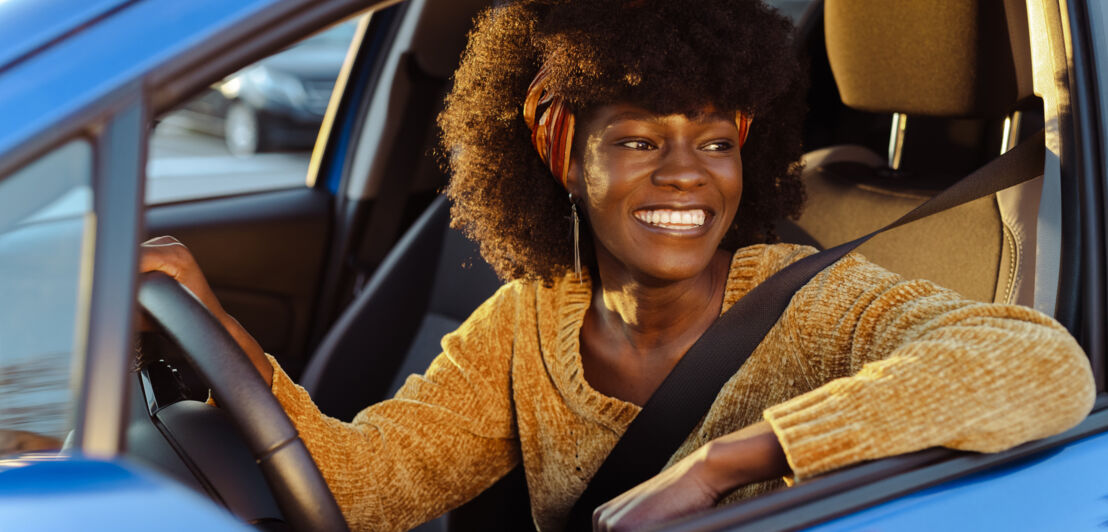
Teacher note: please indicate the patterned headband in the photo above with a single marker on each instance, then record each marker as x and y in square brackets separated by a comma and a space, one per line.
[552, 134]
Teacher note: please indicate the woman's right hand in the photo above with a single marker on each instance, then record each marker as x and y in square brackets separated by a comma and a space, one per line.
[169, 256]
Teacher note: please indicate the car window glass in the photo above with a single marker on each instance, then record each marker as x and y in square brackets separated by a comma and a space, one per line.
[46, 227]
[251, 131]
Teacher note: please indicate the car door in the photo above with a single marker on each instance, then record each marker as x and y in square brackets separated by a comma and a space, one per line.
[247, 172]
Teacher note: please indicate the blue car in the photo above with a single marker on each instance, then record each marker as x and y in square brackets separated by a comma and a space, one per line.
[106, 428]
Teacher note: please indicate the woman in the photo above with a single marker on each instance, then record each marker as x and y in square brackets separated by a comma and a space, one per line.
[640, 110]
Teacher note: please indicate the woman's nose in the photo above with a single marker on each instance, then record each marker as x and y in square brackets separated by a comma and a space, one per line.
[679, 167]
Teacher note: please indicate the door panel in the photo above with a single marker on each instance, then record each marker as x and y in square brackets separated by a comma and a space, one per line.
[263, 255]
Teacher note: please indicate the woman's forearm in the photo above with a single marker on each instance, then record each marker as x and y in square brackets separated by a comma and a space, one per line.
[249, 345]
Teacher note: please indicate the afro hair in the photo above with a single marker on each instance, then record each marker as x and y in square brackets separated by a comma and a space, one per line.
[663, 55]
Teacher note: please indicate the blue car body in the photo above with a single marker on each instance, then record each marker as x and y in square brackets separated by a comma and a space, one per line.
[75, 493]
[56, 68]
[1062, 488]
[67, 63]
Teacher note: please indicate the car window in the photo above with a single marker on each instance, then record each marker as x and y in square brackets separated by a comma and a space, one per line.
[46, 228]
[251, 131]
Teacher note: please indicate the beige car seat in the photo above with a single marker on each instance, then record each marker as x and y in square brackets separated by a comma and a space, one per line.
[956, 101]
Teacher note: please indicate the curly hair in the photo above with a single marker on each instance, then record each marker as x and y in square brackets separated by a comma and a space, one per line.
[663, 55]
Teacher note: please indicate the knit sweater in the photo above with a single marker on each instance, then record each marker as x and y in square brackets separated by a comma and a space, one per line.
[861, 365]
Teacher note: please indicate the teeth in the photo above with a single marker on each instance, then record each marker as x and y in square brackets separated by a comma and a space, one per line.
[677, 219]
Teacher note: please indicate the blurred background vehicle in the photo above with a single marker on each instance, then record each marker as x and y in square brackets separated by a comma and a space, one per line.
[275, 104]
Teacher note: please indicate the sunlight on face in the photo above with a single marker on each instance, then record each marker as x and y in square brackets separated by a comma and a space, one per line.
[660, 191]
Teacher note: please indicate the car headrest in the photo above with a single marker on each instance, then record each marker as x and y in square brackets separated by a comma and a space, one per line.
[944, 58]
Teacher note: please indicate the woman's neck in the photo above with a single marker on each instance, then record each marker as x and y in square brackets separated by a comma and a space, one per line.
[649, 312]
[635, 330]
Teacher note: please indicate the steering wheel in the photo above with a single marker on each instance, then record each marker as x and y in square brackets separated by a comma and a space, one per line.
[292, 475]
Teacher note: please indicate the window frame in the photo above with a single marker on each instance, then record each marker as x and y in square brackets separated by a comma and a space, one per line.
[118, 177]
[117, 127]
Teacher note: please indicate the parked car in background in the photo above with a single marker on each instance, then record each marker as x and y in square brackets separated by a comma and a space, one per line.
[94, 437]
[276, 103]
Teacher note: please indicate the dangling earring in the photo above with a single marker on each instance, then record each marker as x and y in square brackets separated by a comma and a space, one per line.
[576, 237]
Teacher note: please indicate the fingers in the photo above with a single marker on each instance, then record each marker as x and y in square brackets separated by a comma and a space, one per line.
[675, 492]
[609, 517]
[165, 254]
[164, 239]
[169, 256]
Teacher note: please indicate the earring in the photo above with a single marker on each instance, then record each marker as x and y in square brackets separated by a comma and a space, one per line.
[576, 237]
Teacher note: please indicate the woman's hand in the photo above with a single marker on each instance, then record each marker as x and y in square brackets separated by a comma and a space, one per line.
[681, 489]
[697, 481]
[168, 255]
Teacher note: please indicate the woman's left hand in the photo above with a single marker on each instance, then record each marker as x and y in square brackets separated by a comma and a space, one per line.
[697, 481]
[679, 490]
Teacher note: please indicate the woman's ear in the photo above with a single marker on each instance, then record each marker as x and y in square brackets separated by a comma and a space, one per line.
[575, 178]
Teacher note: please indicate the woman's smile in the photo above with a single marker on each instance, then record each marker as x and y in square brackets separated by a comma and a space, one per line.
[660, 191]
[679, 221]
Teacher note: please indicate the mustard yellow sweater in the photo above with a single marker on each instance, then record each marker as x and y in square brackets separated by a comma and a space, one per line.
[862, 365]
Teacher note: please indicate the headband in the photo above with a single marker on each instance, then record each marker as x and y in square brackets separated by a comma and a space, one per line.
[552, 133]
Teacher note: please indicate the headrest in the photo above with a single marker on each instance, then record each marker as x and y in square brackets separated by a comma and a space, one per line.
[946, 58]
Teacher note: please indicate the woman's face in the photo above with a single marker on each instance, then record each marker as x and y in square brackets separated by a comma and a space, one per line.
[659, 192]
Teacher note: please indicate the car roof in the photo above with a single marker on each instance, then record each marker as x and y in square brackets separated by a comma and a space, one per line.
[63, 71]
[28, 25]
[64, 62]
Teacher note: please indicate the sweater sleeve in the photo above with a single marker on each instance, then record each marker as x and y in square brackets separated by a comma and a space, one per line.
[446, 436]
[912, 365]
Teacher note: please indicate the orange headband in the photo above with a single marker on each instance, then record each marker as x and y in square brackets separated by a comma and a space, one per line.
[552, 134]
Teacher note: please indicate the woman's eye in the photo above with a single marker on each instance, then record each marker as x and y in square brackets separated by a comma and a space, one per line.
[719, 145]
[636, 144]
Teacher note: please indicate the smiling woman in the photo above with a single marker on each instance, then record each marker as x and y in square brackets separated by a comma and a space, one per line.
[626, 122]
[727, 56]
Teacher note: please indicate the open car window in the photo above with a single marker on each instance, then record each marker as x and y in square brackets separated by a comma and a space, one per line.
[253, 130]
[46, 228]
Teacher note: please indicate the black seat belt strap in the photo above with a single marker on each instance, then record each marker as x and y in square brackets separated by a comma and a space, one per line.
[689, 390]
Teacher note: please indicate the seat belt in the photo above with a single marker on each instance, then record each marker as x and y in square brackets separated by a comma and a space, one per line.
[689, 390]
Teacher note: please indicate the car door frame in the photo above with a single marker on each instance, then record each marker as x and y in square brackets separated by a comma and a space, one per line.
[113, 114]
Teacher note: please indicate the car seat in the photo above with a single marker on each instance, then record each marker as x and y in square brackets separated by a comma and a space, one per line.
[956, 77]
[425, 288]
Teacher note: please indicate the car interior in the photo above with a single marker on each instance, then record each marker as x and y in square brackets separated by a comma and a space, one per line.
[352, 281]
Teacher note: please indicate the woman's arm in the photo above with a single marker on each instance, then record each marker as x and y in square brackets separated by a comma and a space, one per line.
[445, 437]
[169, 256]
[910, 365]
